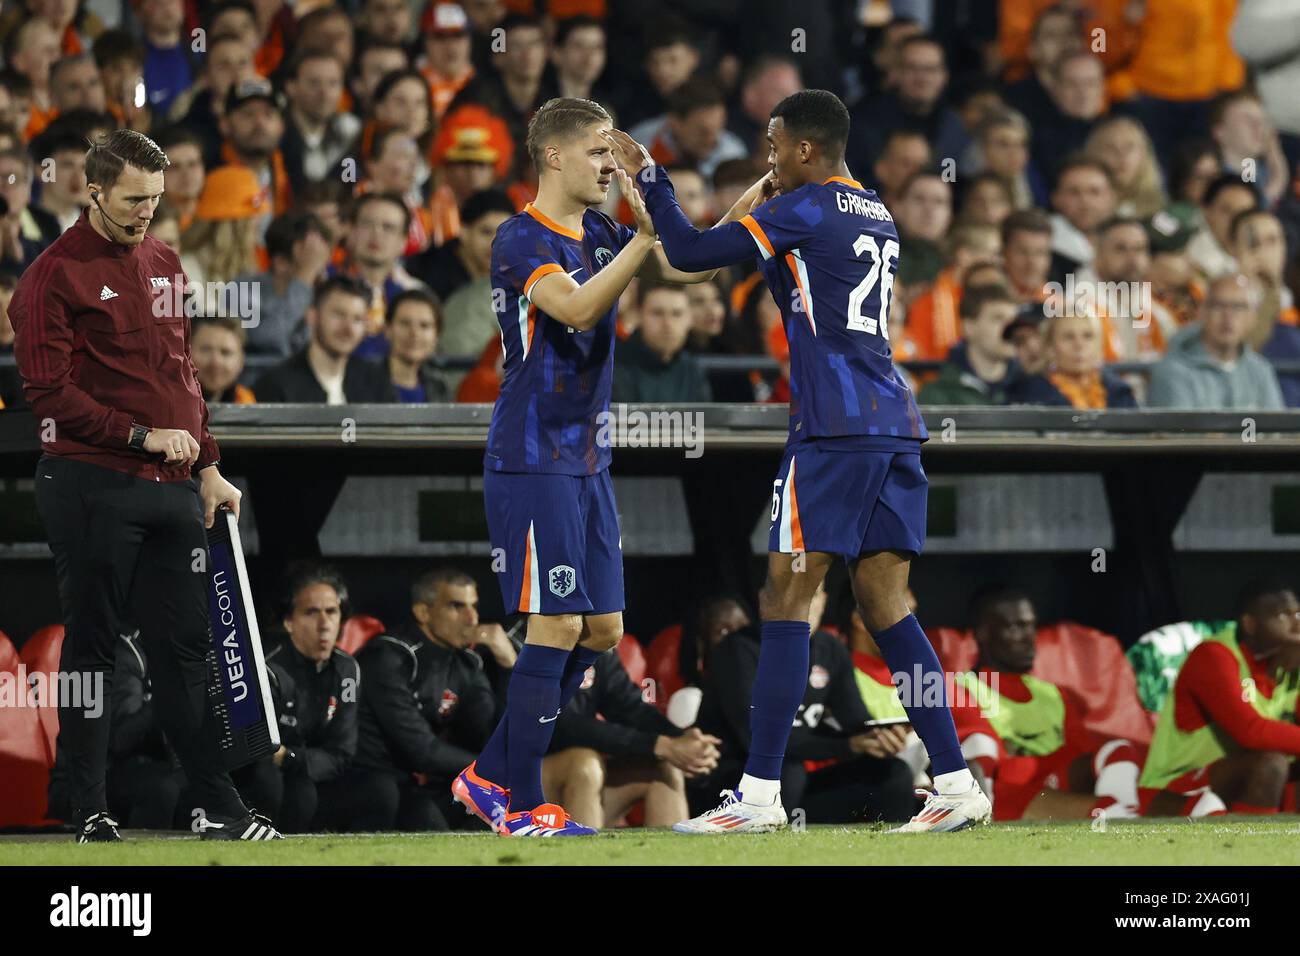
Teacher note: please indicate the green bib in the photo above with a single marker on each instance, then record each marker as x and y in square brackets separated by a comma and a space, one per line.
[1175, 752]
[1035, 727]
[881, 699]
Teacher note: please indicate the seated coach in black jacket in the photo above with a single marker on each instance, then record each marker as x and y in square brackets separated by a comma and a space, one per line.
[612, 749]
[427, 708]
[315, 687]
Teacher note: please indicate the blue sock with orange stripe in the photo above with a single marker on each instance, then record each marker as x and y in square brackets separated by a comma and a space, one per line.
[531, 710]
[778, 692]
[907, 650]
[491, 764]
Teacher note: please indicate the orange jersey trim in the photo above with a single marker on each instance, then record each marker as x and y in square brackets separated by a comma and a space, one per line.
[545, 269]
[757, 232]
[551, 224]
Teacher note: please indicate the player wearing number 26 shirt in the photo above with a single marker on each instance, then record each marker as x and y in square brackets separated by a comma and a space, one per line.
[850, 483]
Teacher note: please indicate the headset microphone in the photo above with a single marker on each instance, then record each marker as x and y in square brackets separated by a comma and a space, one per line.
[129, 230]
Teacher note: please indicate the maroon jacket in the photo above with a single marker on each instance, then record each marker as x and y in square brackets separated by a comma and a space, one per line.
[96, 354]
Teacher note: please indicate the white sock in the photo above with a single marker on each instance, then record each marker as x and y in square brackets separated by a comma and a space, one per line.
[759, 792]
[958, 781]
[1119, 779]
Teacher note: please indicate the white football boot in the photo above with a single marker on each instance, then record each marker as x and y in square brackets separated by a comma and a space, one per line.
[947, 813]
[735, 816]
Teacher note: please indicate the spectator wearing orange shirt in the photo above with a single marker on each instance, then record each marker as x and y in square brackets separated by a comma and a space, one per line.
[1027, 253]
[32, 50]
[1074, 376]
[932, 320]
[448, 65]
[1176, 57]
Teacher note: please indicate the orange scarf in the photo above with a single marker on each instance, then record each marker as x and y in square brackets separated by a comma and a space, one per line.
[1088, 394]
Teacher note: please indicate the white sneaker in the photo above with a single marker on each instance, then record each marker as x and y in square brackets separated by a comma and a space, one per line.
[735, 816]
[947, 813]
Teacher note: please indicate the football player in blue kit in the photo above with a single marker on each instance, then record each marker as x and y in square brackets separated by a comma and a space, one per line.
[558, 269]
[850, 483]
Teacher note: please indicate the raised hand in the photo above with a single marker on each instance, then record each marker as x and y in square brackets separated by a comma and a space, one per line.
[645, 226]
[628, 153]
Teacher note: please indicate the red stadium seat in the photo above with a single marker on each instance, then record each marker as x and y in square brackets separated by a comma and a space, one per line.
[1085, 660]
[26, 751]
[8, 654]
[1093, 665]
[633, 658]
[956, 648]
[41, 653]
[358, 631]
[24, 767]
[661, 664]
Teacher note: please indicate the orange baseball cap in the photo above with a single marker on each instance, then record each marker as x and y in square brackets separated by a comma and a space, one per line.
[231, 192]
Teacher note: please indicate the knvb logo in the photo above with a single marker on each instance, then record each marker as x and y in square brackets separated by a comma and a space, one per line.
[77, 909]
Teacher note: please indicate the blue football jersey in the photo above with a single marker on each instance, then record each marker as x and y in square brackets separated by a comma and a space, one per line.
[829, 252]
[556, 380]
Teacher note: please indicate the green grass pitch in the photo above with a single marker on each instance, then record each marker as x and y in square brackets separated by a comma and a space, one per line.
[1223, 841]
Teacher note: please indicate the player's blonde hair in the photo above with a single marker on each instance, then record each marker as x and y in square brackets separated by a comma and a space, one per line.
[558, 119]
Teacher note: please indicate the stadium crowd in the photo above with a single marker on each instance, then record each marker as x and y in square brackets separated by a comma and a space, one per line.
[1117, 179]
[1099, 206]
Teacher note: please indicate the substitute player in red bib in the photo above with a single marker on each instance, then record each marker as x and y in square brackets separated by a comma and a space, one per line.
[558, 269]
[851, 482]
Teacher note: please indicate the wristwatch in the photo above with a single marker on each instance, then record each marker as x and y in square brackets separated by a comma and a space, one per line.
[138, 435]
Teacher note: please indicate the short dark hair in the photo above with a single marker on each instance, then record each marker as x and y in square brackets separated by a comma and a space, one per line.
[1227, 181]
[393, 199]
[646, 288]
[177, 135]
[697, 93]
[569, 26]
[106, 159]
[424, 589]
[988, 595]
[1080, 161]
[1116, 222]
[114, 46]
[228, 323]
[973, 300]
[304, 574]
[347, 285]
[311, 53]
[1225, 101]
[226, 6]
[513, 21]
[819, 116]
[1025, 220]
[479, 204]
[668, 30]
[1250, 594]
[16, 83]
[423, 297]
[561, 118]
[288, 229]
